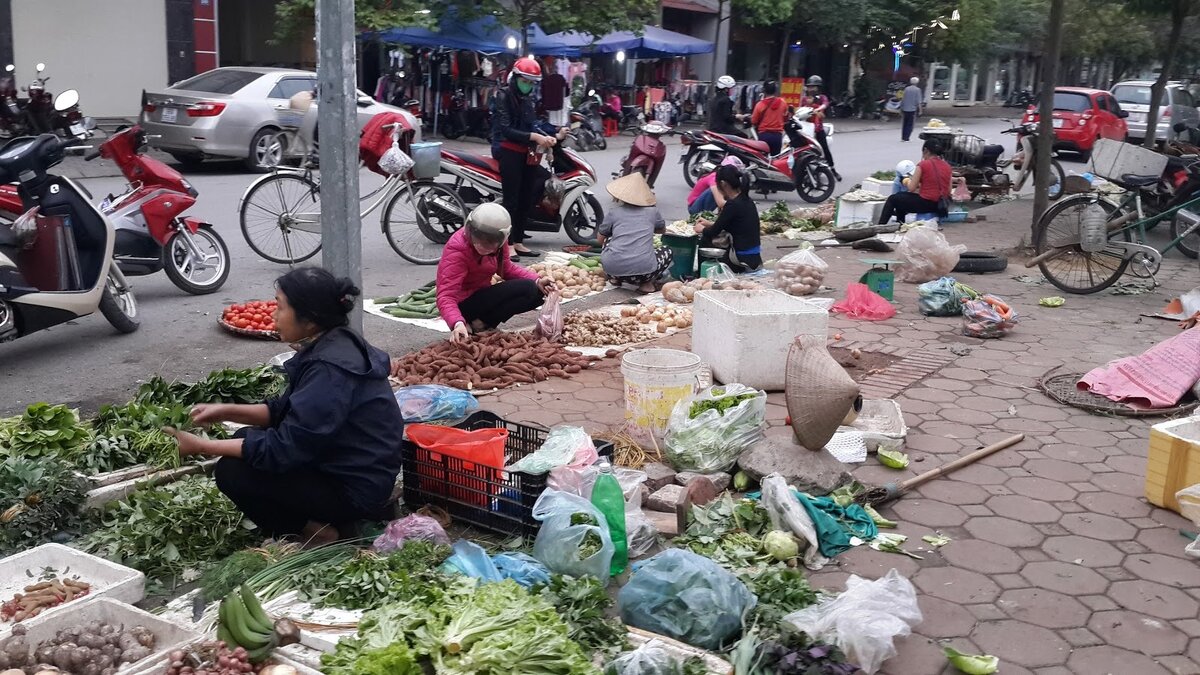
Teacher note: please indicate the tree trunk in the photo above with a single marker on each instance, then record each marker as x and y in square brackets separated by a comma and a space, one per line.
[783, 54]
[1045, 139]
[1179, 12]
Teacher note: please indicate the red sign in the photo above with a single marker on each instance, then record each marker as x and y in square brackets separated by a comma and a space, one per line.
[791, 89]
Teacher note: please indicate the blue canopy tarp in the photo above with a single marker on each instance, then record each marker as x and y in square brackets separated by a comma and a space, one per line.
[485, 34]
[654, 42]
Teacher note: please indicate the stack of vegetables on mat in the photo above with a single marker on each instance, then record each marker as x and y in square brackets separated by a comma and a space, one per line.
[663, 317]
[418, 304]
[490, 361]
[577, 278]
[599, 329]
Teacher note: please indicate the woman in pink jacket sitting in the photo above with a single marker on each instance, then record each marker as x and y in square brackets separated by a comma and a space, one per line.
[466, 297]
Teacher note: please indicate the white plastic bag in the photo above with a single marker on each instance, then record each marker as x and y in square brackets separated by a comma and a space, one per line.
[787, 515]
[640, 533]
[800, 273]
[712, 440]
[1189, 503]
[649, 659]
[926, 255]
[564, 446]
[864, 619]
[395, 161]
[559, 540]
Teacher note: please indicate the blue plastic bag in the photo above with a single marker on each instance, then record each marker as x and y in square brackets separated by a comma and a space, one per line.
[426, 402]
[471, 560]
[521, 568]
[687, 597]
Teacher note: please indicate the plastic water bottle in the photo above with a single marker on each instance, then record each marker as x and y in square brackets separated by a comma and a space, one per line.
[608, 498]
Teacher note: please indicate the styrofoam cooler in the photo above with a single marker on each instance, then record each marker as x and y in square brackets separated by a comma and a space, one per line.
[849, 213]
[744, 336]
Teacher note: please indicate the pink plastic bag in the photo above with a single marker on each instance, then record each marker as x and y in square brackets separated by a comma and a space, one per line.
[409, 528]
[863, 303]
[550, 322]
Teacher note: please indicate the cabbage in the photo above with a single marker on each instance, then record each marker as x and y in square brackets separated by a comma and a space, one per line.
[781, 545]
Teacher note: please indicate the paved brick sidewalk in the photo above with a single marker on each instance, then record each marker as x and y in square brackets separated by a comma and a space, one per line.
[1058, 564]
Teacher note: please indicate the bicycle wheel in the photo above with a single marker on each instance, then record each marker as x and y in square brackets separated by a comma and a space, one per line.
[1075, 270]
[1189, 245]
[417, 227]
[281, 218]
[1058, 180]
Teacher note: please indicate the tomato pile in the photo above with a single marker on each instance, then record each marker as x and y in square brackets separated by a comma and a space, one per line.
[253, 315]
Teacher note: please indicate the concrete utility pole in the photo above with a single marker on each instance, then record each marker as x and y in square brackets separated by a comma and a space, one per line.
[337, 115]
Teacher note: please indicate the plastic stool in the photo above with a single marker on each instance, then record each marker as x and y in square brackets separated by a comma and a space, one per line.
[913, 217]
[611, 127]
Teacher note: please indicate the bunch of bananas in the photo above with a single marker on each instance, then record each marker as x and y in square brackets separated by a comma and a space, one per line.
[244, 623]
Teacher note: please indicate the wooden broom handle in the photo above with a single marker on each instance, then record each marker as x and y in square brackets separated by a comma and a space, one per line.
[961, 462]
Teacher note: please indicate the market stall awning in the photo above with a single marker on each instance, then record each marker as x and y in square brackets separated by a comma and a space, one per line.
[484, 34]
[542, 43]
[653, 42]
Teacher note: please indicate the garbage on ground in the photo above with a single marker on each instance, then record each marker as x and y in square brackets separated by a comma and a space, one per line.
[865, 619]
[787, 514]
[1157, 378]
[926, 255]
[972, 664]
[708, 431]
[1052, 301]
[414, 526]
[863, 303]
[890, 542]
[988, 317]
[943, 297]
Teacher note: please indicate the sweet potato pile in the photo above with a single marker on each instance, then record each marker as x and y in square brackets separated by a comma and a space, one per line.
[489, 361]
[41, 596]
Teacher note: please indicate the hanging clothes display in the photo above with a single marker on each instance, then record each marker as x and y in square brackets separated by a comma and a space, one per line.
[554, 94]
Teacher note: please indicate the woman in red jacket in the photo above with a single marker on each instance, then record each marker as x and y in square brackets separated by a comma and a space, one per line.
[466, 297]
[768, 116]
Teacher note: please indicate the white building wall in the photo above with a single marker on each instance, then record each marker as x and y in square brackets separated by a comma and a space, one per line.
[110, 51]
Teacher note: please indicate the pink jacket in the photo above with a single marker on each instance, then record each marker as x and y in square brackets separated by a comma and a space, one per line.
[462, 272]
[706, 181]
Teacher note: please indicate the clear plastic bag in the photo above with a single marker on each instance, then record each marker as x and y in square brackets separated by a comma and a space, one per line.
[412, 527]
[564, 446]
[550, 321]
[926, 255]
[649, 659]
[427, 402]
[640, 533]
[988, 317]
[943, 297]
[800, 273]
[720, 273]
[521, 568]
[571, 527]
[686, 597]
[395, 161]
[864, 619]
[471, 560]
[788, 515]
[712, 440]
[863, 303]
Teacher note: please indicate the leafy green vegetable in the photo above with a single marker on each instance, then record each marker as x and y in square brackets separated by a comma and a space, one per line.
[367, 580]
[46, 431]
[972, 664]
[38, 498]
[394, 659]
[729, 532]
[229, 385]
[890, 542]
[721, 405]
[591, 543]
[780, 591]
[705, 215]
[132, 434]
[791, 654]
[884, 175]
[582, 603]
[171, 531]
[229, 574]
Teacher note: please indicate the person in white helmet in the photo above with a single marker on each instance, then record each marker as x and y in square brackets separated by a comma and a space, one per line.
[910, 107]
[721, 117]
[466, 297]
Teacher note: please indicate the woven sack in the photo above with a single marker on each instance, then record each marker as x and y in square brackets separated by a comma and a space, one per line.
[818, 392]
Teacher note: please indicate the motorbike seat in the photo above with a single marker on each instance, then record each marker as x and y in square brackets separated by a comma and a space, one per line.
[478, 161]
[1136, 181]
[759, 146]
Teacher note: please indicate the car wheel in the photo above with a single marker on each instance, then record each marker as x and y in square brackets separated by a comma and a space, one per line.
[267, 150]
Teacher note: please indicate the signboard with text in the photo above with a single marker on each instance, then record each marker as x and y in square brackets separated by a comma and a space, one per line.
[791, 89]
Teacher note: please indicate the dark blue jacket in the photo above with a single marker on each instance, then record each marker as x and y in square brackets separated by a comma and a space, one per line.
[338, 416]
[514, 117]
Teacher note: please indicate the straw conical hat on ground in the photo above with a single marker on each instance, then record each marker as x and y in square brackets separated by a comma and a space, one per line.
[632, 189]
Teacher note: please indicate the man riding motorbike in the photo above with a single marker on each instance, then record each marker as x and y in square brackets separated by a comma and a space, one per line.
[516, 132]
[721, 117]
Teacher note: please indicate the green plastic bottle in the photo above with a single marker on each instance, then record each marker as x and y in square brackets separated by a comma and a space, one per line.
[609, 500]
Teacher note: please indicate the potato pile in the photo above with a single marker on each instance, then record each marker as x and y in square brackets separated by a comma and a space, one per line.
[664, 318]
[94, 648]
[598, 329]
[490, 361]
[680, 292]
[800, 273]
[572, 282]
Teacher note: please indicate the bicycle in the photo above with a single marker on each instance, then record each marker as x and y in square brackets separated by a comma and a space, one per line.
[282, 210]
[1084, 243]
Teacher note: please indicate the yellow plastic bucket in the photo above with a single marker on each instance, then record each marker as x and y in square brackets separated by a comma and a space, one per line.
[656, 379]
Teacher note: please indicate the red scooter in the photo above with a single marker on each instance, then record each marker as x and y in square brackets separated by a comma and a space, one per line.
[151, 235]
[647, 153]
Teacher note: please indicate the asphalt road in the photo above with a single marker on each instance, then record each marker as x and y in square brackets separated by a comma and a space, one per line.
[87, 364]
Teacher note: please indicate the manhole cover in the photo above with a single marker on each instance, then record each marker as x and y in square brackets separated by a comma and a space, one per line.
[1062, 388]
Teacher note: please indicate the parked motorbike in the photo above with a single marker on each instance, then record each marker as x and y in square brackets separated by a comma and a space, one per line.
[1020, 98]
[586, 126]
[12, 122]
[800, 167]
[632, 117]
[888, 105]
[647, 153]
[841, 107]
[56, 259]
[564, 200]
[984, 168]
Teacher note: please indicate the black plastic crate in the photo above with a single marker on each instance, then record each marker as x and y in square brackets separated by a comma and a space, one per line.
[482, 496]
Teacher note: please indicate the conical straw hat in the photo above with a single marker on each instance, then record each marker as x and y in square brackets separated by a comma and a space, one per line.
[632, 189]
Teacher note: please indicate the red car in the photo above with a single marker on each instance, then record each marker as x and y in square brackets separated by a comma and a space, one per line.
[1083, 116]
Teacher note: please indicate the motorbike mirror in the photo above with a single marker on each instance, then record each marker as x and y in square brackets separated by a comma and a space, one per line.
[9, 68]
[41, 67]
[66, 100]
[591, 92]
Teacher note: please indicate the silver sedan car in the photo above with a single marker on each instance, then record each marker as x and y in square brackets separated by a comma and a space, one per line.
[235, 113]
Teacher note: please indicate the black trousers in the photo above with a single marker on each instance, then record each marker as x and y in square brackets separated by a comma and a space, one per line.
[910, 117]
[900, 204]
[821, 140]
[773, 139]
[500, 302]
[517, 178]
[283, 503]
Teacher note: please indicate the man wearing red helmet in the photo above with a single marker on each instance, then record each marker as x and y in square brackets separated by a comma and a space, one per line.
[515, 131]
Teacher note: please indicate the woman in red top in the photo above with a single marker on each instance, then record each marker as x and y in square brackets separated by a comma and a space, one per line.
[767, 118]
[929, 184]
[466, 297]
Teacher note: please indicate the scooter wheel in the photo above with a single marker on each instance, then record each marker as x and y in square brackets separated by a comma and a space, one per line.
[119, 307]
[206, 278]
[601, 143]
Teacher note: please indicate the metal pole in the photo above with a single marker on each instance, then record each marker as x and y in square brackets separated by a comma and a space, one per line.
[337, 113]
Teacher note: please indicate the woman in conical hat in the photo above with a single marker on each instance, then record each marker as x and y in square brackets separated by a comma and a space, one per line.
[627, 235]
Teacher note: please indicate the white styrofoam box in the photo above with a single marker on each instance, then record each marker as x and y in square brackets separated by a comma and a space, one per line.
[744, 336]
[1113, 159]
[879, 187]
[107, 579]
[848, 213]
[881, 423]
[167, 635]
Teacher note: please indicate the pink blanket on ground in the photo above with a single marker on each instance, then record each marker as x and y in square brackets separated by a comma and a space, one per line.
[1157, 378]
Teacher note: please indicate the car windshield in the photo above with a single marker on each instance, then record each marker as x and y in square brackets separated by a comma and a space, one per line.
[218, 81]
[1132, 94]
[1071, 102]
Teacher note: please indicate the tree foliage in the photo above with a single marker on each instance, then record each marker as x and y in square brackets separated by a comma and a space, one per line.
[296, 18]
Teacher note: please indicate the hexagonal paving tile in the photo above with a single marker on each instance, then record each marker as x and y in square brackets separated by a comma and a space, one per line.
[868, 563]
[1099, 526]
[1021, 643]
[930, 513]
[1023, 509]
[1041, 488]
[1154, 599]
[1004, 531]
[1083, 551]
[943, 619]
[1057, 470]
[1138, 632]
[1044, 608]
[1077, 454]
[982, 556]
[1120, 483]
[1163, 569]
[953, 492]
[1108, 659]
[1064, 578]
[957, 585]
[1118, 506]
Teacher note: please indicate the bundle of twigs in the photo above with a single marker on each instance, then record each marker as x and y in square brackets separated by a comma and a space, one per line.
[627, 452]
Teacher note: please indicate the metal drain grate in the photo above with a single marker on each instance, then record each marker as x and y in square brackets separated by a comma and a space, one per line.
[909, 370]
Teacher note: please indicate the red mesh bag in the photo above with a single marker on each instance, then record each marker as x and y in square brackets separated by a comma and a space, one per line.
[376, 139]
